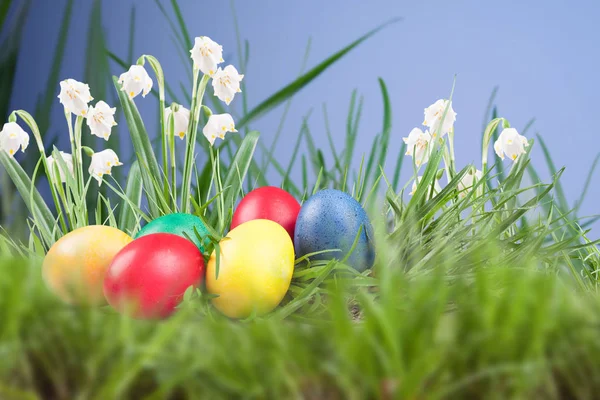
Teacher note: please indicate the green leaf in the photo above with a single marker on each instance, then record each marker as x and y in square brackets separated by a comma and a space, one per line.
[237, 173]
[133, 191]
[33, 200]
[562, 200]
[151, 175]
[384, 139]
[588, 180]
[42, 110]
[289, 90]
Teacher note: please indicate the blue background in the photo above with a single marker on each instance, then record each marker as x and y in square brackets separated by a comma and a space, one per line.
[542, 55]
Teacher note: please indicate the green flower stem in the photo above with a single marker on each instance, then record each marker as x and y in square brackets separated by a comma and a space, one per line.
[447, 161]
[79, 177]
[160, 78]
[197, 95]
[487, 138]
[452, 158]
[171, 136]
[28, 119]
[73, 146]
[63, 198]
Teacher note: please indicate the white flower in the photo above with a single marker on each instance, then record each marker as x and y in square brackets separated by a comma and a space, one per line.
[466, 183]
[102, 163]
[135, 81]
[68, 159]
[433, 118]
[101, 119]
[12, 136]
[436, 188]
[419, 146]
[181, 120]
[75, 96]
[226, 83]
[217, 126]
[206, 54]
[510, 143]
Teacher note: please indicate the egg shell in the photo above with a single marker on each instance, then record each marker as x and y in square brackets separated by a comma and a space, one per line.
[147, 279]
[270, 203]
[179, 224]
[75, 265]
[255, 269]
[331, 219]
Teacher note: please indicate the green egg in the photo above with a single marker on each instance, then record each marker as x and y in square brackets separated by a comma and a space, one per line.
[181, 225]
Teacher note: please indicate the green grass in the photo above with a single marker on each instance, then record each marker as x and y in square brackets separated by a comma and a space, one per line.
[500, 331]
[488, 295]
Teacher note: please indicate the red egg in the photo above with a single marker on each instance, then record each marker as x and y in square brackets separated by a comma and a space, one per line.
[270, 203]
[148, 277]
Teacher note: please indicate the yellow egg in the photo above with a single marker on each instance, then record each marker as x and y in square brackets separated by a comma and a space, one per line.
[255, 270]
[74, 267]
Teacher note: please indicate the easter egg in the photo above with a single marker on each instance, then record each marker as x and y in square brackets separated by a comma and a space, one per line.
[256, 264]
[270, 203]
[75, 265]
[178, 224]
[331, 219]
[148, 277]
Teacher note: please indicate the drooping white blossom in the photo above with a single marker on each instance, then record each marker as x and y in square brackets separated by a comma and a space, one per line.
[217, 126]
[102, 164]
[226, 83]
[436, 188]
[468, 181]
[510, 143]
[181, 121]
[136, 81]
[418, 146]
[75, 96]
[68, 160]
[101, 119]
[433, 118]
[13, 137]
[207, 54]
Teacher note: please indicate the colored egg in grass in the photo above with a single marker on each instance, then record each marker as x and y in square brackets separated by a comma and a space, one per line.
[179, 224]
[331, 219]
[270, 203]
[75, 266]
[147, 279]
[256, 264]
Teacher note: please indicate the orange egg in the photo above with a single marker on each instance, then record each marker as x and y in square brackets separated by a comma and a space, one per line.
[74, 267]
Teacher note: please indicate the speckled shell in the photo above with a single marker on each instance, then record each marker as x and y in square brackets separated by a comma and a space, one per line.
[331, 219]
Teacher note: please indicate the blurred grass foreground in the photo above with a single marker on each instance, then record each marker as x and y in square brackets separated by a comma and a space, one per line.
[501, 332]
[480, 290]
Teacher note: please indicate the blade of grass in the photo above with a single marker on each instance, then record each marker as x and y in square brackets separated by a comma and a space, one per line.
[145, 154]
[289, 90]
[133, 191]
[237, 173]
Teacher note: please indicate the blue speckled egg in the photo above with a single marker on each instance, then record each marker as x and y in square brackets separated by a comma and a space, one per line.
[331, 219]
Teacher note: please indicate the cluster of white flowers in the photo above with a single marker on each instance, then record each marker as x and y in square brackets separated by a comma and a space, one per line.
[100, 118]
[207, 55]
[75, 98]
[420, 144]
